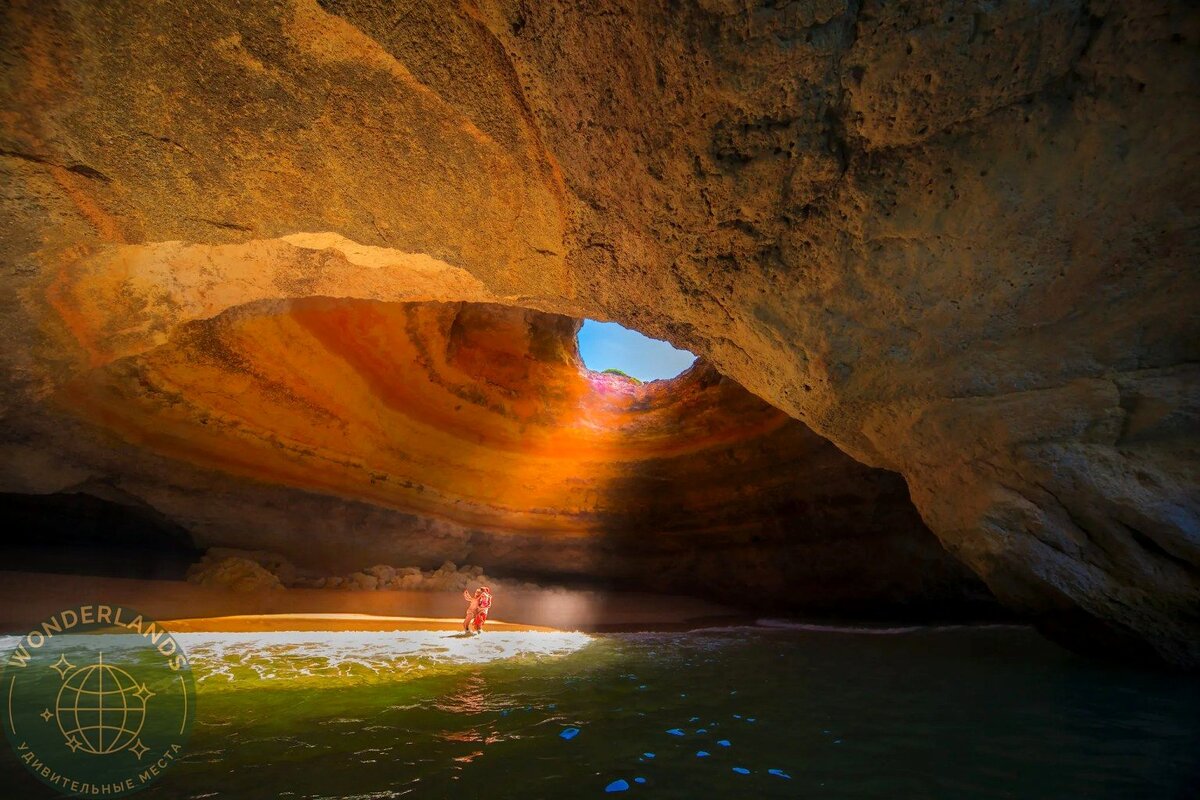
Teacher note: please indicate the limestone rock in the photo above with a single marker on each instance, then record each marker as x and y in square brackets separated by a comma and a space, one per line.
[360, 580]
[446, 578]
[957, 239]
[275, 563]
[384, 574]
[474, 432]
[232, 572]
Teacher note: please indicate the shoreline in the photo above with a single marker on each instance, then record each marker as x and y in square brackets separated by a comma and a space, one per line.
[27, 598]
[274, 623]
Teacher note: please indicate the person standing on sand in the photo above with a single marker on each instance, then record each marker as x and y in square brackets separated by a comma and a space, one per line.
[477, 611]
[472, 609]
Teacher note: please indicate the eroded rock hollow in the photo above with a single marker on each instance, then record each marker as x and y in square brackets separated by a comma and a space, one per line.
[347, 433]
[956, 239]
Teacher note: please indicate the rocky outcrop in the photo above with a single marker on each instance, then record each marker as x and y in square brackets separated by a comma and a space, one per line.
[955, 238]
[232, 572]
[381, 577]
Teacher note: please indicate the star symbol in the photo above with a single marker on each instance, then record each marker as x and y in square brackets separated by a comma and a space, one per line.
[62, 666]
[46, 715]
[138, 749]
[74, 744]
[143, 693]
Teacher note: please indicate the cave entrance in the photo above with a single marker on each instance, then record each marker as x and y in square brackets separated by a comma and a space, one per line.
[612, 348]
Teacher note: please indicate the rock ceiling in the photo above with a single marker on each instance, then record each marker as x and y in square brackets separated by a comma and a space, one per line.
[958, 240]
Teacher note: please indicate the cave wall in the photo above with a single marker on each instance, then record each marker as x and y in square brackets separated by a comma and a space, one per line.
[348, 433]
[958, 239]
[94, 530]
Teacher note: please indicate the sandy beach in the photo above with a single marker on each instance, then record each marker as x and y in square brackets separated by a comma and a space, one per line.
[255, 623]
[27, 597]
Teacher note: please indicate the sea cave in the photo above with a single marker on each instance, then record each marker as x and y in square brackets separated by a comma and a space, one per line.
[796, 398]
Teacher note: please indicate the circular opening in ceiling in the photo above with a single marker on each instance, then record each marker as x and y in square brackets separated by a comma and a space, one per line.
[609, 347]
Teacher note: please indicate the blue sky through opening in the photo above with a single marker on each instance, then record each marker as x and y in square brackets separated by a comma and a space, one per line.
[606, 345]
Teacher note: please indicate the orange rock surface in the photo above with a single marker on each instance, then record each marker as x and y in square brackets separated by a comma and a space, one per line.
[956, 239]
[483, 417]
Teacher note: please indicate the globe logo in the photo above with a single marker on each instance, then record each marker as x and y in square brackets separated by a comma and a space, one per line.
[101, 708]
[97, 700]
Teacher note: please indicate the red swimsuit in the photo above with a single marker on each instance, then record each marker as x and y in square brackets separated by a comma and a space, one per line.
[485, 603]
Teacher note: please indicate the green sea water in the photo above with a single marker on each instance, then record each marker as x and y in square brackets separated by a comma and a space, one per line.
[780, 712]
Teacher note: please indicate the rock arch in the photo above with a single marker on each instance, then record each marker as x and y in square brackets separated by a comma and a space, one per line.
[962, 250]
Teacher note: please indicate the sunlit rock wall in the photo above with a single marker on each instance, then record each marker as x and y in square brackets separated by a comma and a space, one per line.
[956, 238]
[350, 433]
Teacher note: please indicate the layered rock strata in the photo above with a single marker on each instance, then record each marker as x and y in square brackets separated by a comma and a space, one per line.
[344, 434]
[958, 239]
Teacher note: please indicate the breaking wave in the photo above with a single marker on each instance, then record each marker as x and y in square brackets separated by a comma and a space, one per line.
[360, 655]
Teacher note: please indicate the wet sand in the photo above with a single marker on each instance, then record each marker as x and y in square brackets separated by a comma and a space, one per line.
[26, 598]
[247, 623]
